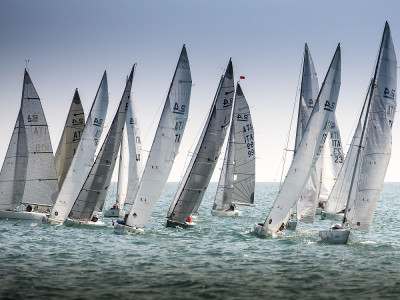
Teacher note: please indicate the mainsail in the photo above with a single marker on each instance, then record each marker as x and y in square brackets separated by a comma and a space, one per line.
[198, 174]
[374, 150]
[84, 155]
[165, 144]
[310, 146]
[94, 190]
[28, 174]
[237, 180]
[70, 138]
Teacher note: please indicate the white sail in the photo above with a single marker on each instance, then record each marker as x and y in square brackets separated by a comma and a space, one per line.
[374, 158]
[373, 166]
[131, 163]
[309, 148]
[223, 197]
[237, 180]
[84, 155]
[70, 138]
[94, 190]
[28, 174]
[165, 144]
[198, 174]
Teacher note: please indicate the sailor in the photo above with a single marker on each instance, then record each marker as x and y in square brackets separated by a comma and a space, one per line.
[231, 208]
[122, 222]
[189, 220]
[95, 218]
[28, 208]
[282, 227]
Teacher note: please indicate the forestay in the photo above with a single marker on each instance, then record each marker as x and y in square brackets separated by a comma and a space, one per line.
[94, 190]
[310, 146]
[165, 144]
[70, 138]
[84, 155]
[198, 174]
[28, 174]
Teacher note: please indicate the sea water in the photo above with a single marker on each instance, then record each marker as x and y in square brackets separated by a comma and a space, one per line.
[218, 259]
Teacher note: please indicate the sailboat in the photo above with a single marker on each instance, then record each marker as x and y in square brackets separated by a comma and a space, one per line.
[28, 175]
[308, 151]
[324, 172]
[163, 150]
[130, 164]
[83, 159]
[70, 138]
[93, 192]
[237, 180]
[198, 174]
[374, 145]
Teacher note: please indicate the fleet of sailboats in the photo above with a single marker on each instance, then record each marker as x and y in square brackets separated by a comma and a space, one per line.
[201, 166]
[71, 187]
[373, 149]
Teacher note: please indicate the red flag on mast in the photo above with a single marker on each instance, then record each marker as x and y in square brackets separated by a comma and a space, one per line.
[242, 77]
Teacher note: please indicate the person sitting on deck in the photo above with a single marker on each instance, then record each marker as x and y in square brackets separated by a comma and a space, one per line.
[95, 218]
[189, 220]
[122, 222]
[336, 226]
[115, 206]
[282, 227]
[28, 208]
[231, 208]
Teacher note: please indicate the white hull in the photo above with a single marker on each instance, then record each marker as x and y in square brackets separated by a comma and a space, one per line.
[71, 222]
[114, 213]
[226, 213]
[261, 230]
[336, 236]
[47, 220]
[332, 216]
[123, 229]
[21, 215]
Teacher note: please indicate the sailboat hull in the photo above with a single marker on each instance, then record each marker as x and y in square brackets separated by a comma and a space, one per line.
[21, 215]
[331, 216]
[124, 229]
[261, 230]
[114, 213]
[173, 224]
[336, 236]
[71, 222]
[225, 213]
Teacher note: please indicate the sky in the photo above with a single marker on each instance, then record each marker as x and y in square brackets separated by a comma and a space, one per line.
[69, 44]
